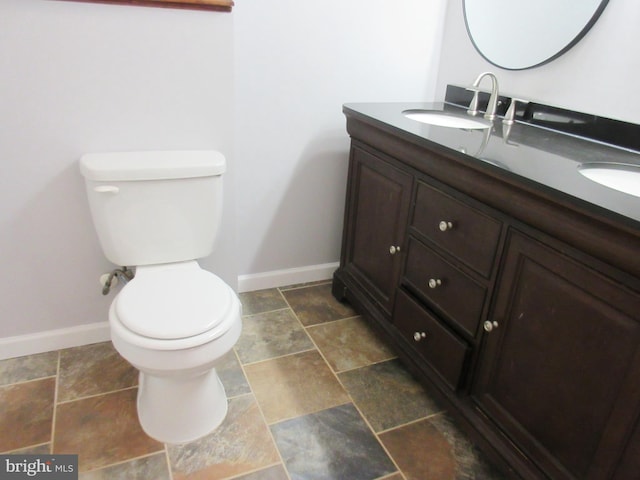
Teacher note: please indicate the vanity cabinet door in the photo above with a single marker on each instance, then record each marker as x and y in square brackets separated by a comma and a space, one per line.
[560, 366]
[377, 214]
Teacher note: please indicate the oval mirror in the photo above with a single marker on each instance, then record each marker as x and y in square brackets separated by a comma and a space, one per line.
[522, 34]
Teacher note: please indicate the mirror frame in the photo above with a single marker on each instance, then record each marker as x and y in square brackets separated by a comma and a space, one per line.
[594, 18]
[212, 5]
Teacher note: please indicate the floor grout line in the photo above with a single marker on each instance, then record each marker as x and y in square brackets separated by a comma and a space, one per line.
[376, 362]
[122, 462]
[312, 412]
[264, 419]
[86, 397]
[26, 447]
[411, 422]
[55, 405]
[255, 314]
[257, 362]
[249, 472]
[167, 459]
[22, 382]
[315, 325]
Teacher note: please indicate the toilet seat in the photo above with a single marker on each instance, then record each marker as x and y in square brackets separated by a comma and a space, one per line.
[174, 307]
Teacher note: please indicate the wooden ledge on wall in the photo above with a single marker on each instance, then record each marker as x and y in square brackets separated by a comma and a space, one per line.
[213, 5]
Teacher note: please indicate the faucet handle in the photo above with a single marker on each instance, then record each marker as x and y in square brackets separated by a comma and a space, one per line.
[473, 106]
[509, 118]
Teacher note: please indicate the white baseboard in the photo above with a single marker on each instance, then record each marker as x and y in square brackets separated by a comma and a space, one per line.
[50, 340]
[290, 276]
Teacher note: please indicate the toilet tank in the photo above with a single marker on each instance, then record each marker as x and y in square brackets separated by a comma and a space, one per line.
[155, 207]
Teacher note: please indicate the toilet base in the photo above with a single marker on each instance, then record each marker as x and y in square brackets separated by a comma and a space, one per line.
[180, 410]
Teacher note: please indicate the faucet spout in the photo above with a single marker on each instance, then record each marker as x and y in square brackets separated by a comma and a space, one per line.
[490, 113]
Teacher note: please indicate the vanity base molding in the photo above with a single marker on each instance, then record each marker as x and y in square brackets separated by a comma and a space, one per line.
[517, 307]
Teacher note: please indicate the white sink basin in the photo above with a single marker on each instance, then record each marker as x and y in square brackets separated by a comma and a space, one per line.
[442, 119]
[619, 176]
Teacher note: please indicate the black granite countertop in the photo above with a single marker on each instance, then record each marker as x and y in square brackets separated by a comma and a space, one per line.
[537, 155]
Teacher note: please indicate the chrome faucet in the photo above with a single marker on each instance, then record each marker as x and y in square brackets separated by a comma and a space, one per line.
[490, 113]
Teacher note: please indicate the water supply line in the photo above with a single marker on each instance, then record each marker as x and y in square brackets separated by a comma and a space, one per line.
[123, 274]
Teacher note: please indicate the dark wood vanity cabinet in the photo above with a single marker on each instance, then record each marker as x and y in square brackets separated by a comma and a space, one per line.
[533, 343]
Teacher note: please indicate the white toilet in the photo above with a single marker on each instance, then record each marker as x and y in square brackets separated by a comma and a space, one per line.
[159, 212]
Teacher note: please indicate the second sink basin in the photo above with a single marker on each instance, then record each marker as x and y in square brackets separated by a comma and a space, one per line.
[443, 119]
[619, 176]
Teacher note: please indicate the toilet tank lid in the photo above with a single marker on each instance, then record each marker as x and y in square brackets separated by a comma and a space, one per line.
[152, 165]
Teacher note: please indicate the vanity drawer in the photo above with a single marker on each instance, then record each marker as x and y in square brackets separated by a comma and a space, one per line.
[443, 350]
[464, 231]
[449, 290]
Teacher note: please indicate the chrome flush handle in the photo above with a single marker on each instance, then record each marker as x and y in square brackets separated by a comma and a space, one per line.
[106, 189]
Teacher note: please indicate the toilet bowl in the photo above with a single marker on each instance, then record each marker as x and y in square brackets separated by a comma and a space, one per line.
[173, 322]
[159, 212]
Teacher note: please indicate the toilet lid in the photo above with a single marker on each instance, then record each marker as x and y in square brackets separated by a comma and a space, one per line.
[174, 304]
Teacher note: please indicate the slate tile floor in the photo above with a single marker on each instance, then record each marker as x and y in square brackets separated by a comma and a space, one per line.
[313, 394]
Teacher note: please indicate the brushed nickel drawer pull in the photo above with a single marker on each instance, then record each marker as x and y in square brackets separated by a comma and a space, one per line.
[417, 336]
[444, 226]
[490, 326]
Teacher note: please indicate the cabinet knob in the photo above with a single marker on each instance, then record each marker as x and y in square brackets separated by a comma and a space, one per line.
[489, 326]
[434, 282]
[393, 249]
[444, 226]
[417, 336]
